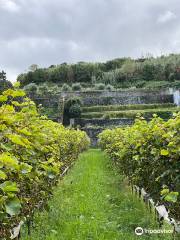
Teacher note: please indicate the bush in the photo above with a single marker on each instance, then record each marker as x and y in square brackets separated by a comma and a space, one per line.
[55, 89]
[172, 77]
[76, 87]
[34, 151]
[4, 85]
[72, 101]
[148, 154]
[43, 89]
[140, 84]
[100, 86]
[66, 88]
[68, 106]
[109, 87]
[88, 89]
[75, 111]
[106, 116]
[32, 87]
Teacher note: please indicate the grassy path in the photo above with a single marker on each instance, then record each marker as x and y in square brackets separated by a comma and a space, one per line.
[92, 203]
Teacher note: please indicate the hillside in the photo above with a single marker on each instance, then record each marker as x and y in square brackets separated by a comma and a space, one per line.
[147, 72]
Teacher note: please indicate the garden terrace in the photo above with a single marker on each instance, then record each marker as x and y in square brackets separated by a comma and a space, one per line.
[108, 109]
[147, 113]
[126, 107]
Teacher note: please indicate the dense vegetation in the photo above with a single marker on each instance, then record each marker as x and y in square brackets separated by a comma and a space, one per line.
[148, 153]
[33, 153]
[122, 72]
[4, 84]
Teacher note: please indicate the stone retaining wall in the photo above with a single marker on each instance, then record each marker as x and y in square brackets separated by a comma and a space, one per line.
[107, 97]
[103, 122]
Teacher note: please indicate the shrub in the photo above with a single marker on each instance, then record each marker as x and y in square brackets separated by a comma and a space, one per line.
[140, 84]
[68, 105]
[72, 101]
[88, 89]
[100, 86]
[75, 111]
[4, 85]
[32, 87]
[148, 154]
[172, 77]
[76, 87]
[66, 88]
[109, 87]
[43, 89]
[55, 89]
[106, 116]
[34, 151]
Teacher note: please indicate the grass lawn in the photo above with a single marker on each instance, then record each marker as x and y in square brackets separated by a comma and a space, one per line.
[93, 202]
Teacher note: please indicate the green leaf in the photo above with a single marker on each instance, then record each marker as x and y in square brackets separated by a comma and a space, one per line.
[25, 168]
[7, 146]
[172, 197]
[25, 132]
[165, 191]
[3, 176]
[7, 160]
[13, 207]
[3, 98]
[16, 84]
[2, 215]
[51, 175]
[164, 152]
[9, 186]
[14, 93]
[18, 93]
[17, 139]
[3, 127]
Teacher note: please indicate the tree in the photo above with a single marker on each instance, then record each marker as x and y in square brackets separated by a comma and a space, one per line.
[70, 74]
[3, 76]
[4, 84]
[75, 111]
[72, 108]
[33, 67]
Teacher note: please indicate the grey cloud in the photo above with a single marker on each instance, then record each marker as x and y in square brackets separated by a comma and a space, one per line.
[50, 32]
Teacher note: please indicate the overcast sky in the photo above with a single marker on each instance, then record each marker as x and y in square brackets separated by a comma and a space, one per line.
[47, 32]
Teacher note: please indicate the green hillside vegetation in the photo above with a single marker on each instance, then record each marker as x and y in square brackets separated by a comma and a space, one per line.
[149, 72]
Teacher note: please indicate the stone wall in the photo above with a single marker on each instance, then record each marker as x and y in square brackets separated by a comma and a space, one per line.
[52, 103]
[121, 97]
[103, 122]
[107, 97]
[124, 100]
[93, 134]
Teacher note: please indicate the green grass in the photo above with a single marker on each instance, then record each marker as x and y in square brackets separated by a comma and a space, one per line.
[102, 108]
[93, 202]
[148, 113]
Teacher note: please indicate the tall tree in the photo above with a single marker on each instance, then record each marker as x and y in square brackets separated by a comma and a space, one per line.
[33, 67]
[2, 76]
[4, 84]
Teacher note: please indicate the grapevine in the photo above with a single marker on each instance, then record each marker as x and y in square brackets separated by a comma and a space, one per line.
[148, 153]
[34, 151]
